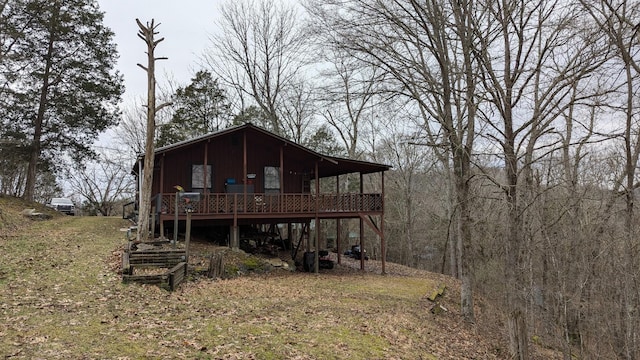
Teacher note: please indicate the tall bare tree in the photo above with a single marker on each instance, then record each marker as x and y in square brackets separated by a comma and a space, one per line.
[407, 187]
[259, 52]
[425, 47]
[620, 22]
[297, 110]
[347, 96]
[131, 134]
[147, 33]
[529, 87]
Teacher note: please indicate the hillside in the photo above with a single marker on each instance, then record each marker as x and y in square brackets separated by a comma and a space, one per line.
[63, 298]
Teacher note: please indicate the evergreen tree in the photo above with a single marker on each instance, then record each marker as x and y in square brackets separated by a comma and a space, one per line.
[255, 115]
[60, 87]
[324, 142]
[200, 108]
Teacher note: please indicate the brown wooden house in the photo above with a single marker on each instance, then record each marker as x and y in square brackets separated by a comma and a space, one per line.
[245, 175]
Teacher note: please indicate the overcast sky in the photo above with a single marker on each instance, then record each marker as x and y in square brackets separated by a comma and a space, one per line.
[185, 25]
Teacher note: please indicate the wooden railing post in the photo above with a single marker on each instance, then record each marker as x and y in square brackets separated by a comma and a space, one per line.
[175, 220]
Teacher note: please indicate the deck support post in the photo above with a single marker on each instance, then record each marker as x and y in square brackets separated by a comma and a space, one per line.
[362, 255]
[338, 250]
[383, 248]
[153, 221]
[187, 237]
[235, 237]
[317, 223]
[175, 221]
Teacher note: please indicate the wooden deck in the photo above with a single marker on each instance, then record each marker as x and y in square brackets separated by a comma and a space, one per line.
[238, 205]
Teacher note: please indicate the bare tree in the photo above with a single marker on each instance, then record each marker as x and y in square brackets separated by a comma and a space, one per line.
[147, 34]
[528, 87]
[406, 187]
[260, 53]
[425, 47]
[103, 183]
[131, 133]
[620, 22]
[298, 109]
[347, 96]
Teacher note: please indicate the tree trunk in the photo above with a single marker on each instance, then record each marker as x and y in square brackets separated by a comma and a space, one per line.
[35, 149]
[518, 336]
[147, 33]
[513, 246]
[461, 163]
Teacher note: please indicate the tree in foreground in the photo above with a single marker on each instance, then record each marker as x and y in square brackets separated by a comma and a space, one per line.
[147, 33]
[60, 85]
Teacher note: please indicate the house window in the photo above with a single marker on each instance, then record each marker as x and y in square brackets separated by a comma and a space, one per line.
[271, 179]
[197, 178]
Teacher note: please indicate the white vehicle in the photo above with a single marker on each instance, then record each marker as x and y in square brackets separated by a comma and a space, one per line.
[63, 205]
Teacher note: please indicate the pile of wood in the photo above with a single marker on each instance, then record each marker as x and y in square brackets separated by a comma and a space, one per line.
[170, 265]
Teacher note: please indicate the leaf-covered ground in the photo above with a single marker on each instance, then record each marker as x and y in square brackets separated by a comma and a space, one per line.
[62, 297]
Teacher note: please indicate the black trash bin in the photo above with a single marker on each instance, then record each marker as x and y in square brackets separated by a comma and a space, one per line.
[309, 261]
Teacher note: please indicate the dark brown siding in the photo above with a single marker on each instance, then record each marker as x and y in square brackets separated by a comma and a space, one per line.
[225, 155]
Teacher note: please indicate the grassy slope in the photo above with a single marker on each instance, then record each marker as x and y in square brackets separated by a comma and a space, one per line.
[63, 298]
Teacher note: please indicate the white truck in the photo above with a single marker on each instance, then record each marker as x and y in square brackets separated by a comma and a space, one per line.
[63, 205]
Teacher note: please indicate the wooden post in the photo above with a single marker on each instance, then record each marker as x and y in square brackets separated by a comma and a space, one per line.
[216, 266]
[205, 176]
[175, 221]
[235, 235]
[244, 171]
[187, 237]
[383, 249]
[361, 227]
[281, 180]
[161, 223]
[317, 223]
[338, 221]
[153, 221]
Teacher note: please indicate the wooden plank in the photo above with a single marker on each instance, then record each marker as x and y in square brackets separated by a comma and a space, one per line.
[176, 275]
[156, 256]
[159, 262]
[145, 279]
[142, 254]
[156, 259]
[158, 251]
[126, 267]
[153, 265]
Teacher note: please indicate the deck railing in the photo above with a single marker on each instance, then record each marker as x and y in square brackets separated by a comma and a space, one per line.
[240, 203]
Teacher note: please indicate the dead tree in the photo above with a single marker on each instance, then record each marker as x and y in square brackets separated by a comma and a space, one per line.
[147, 34]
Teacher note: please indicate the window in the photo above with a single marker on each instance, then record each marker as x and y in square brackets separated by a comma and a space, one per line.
[197, 178]
[271, 179]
